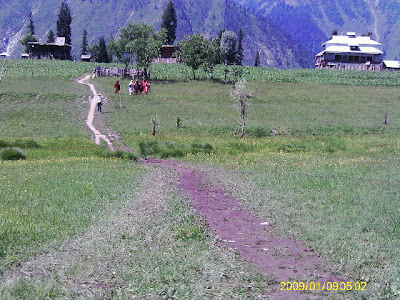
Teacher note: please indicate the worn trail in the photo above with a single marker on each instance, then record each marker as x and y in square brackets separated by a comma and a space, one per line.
[89, 122]
[283, 258]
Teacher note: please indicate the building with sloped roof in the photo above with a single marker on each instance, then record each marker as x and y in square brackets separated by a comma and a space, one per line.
[350, 52]
[57, 50]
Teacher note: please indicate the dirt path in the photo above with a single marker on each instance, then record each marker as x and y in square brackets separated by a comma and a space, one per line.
[89, 122]
[255, 239]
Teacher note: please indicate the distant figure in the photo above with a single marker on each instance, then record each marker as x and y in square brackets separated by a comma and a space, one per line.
[131, 87]
[144, 84]
[178, 122]
[99, 103]
[117, 87]
[137, 87]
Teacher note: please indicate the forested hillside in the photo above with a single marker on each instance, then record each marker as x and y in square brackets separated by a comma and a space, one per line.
[311, 22]
[287, 33]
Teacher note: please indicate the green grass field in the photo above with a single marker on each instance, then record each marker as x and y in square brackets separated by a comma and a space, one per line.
[317, 162]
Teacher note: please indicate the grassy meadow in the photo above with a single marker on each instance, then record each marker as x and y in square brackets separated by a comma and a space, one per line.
[317, 162]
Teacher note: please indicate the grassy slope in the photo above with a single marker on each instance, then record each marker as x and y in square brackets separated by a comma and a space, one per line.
[328, 177]
[66, 190]
[332, 163]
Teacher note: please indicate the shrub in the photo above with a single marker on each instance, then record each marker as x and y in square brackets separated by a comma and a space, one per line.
[205, 148]
[147, 148]
[4, 144]
[120, 155]
[12, 154]
[26, 144]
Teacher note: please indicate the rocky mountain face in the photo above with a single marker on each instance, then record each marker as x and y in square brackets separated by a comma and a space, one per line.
[288, 33]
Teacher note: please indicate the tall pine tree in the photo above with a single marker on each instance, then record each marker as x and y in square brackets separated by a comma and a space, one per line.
[64, 23]
[239, 50]
[84, 43]
[51, 37]
[31, 27]
[103, 53]
[30, 36]
[169, 23]
[257, 60]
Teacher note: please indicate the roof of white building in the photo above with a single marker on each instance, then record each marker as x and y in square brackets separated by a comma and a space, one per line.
[392, 64]
[351, 43]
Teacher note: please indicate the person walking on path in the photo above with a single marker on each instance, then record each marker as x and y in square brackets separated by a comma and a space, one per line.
[117, 87]
[99, 103]
[131, 87]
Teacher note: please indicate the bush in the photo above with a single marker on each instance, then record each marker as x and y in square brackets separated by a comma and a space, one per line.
[171, 149]
[205, 148]
[12, 154]
[26, 144]
[4, 144]
[120, 155]
[147, 148]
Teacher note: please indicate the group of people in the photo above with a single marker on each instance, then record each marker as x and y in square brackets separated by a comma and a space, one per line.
[137, 87]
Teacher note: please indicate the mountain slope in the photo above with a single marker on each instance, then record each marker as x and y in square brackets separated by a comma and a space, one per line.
[311, 22]
[106, 17]
[288, 32]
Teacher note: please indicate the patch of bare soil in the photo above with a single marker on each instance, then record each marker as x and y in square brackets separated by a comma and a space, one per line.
[255, 239]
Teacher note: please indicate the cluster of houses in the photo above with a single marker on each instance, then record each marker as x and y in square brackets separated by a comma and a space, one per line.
[61, 50]
[342, 52]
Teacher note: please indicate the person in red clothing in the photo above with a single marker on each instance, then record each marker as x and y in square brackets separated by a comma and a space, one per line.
[144, 84]
[117, 87]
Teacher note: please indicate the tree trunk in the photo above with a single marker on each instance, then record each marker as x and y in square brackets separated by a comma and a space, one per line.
[243, 127]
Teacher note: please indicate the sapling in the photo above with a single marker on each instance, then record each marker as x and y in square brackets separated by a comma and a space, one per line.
[241, 94]
[155, 123]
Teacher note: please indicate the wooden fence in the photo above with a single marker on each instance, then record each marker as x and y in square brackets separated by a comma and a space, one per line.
[117, 72]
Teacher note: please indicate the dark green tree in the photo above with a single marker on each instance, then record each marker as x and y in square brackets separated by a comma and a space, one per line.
[64, 22]
[239, 50]
[31, 26]
[103, 56]
[26, 39]
[30, 36]
[139, 41]
[257, 60]
[169, 23]
[228, 43]
[194, 52]
[51, 37]
[84, 43]
[99, 51]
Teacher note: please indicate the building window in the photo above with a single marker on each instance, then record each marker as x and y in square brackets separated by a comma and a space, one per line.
[338, 57]
[344, 57]
[369, 58]
[355, 48]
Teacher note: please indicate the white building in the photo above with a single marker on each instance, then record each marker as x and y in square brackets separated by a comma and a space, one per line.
[350, 52]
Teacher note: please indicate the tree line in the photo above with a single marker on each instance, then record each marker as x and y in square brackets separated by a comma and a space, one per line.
[142, 43]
